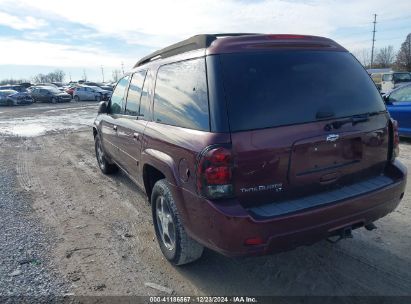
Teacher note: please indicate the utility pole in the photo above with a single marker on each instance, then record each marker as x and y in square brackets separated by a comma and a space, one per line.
[373, 40]
[122, 67]
[84, 75]
[102, 72]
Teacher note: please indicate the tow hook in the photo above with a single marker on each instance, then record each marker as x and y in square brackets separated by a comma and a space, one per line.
[370, 226]
[344, 233]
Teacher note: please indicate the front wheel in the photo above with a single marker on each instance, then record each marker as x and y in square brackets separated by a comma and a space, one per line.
[76, 98]
[53, 100]
[98, 98]
[176, 245]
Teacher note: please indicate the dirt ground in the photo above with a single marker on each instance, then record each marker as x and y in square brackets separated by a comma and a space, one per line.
[104, 242]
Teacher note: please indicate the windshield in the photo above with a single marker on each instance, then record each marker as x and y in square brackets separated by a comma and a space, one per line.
[402, 77]
[289, 87]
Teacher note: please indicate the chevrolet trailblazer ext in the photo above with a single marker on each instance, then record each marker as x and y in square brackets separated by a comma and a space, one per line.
[249, 144]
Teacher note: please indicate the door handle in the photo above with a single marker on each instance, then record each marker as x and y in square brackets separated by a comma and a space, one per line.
[115, 128]
[136, 136]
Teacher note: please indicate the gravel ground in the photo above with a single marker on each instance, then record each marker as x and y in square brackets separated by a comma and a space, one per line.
[25, 266]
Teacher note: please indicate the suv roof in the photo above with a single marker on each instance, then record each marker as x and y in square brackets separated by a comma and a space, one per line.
[241, 42]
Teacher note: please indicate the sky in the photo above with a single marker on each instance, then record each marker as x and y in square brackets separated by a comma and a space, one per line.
[96, 37]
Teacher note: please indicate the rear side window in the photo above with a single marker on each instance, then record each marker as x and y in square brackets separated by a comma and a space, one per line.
[181, 95]
[282, 88]
[145, 100]
[134, 93]
[387, 77]
[118, 96]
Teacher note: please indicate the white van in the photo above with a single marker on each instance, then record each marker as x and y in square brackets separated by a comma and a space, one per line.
[393, 80]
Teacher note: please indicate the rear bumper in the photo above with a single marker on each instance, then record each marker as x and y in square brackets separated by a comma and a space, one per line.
[225, 226]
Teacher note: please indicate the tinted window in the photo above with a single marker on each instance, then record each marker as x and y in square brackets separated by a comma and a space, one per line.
[118, 95]
[281, 88]
[181, 95]
[134, 93]
[402, 77]
[403, 94]
[387, 77]
[145, 101]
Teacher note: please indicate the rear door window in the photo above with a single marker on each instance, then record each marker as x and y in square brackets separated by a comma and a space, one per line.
[117, 98]
[134, 93]
[181, 97]
[144, 111]
[292, 87]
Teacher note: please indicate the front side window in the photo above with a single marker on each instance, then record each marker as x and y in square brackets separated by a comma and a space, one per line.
[134, 93]
[387, 77]
[181, 97]
[116, 103]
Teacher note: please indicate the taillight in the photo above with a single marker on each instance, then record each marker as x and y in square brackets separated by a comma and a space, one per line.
[214, 172]
[395, 139]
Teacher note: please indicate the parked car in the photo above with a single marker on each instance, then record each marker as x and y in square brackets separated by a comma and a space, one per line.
[49, 94]
[105, 94]
[70, 90]
[399, 105]
[394, 80]
[14, 87]
[233, 157]
[86, 93]
[14, 98]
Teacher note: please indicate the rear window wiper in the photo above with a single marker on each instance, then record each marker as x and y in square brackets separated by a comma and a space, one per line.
[353, 120]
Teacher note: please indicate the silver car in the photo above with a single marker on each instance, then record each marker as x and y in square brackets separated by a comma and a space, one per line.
[86, 93]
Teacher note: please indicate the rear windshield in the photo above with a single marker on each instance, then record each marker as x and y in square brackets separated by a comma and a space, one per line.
[281, 88]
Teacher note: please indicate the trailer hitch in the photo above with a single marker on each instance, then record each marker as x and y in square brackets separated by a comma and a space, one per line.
[344, 233]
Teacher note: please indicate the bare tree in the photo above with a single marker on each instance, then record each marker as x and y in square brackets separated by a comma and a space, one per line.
[56, 76]
[385, 57]
[363, 56]
[403, 60]
[12, 81]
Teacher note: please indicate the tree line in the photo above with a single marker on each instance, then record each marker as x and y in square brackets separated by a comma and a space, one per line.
[386, 57]
[55, 76]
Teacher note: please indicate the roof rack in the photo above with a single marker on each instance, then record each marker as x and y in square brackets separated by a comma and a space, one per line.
[193, 43]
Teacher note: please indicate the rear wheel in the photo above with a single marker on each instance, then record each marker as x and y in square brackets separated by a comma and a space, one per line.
[53, 100]
[176, 245]
[104, 165]
[76, 98]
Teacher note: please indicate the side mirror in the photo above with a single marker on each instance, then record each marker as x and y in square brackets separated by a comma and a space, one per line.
[102, 108]
[387, 99]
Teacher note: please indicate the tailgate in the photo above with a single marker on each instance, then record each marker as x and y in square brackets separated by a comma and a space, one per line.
[290, 162]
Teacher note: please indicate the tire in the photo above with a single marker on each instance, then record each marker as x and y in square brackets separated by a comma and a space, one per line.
[178, 248]
[10, 102]
[53, 100]
[77, 98]
[98, 98]
[105, 166]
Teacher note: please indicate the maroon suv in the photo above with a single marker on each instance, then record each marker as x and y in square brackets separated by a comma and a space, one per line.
[249, 144]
